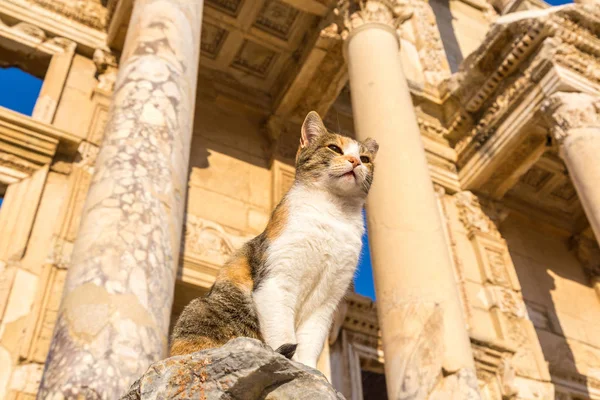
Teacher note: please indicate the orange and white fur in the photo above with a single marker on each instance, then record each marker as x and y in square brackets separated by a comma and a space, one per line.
[284, 285]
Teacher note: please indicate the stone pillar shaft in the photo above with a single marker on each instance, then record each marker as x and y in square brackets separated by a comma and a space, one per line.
[420, 314]
[114, 317]
[575, 124]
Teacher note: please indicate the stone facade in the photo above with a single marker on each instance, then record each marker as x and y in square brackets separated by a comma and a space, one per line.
[142, 169]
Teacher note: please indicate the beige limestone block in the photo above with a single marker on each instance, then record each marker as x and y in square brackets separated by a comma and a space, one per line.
[77, 95]
[5, 371]
[217, 207]
[40, 241]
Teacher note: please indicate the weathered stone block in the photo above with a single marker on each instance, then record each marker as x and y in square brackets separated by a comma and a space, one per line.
[242, 369]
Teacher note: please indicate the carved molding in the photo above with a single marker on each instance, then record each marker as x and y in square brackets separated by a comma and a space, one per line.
[512, 60]
[88, 12]
[473, 217]
[429, 44]
[209, 242]
[106, 69]
[493, 363]
[356, 13]
[566, 111]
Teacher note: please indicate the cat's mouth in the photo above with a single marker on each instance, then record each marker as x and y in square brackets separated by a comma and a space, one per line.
[349, 174]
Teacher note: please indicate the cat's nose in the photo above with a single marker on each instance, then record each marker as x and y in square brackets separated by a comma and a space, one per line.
[354, 161]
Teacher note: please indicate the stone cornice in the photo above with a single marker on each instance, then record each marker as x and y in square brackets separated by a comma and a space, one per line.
[568, 111]
[87, 39]
[518, 52]
[26, 145]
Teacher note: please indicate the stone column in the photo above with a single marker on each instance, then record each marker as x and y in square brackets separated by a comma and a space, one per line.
[575, 124]
[424, 333]
[114, 316]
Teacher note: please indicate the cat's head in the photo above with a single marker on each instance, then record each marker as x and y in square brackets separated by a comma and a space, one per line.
[334, 162]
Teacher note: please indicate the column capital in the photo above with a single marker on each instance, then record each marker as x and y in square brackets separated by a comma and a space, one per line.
[565, 111]
[355, 14]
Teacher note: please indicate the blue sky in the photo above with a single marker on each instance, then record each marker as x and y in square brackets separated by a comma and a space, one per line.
[18, 90]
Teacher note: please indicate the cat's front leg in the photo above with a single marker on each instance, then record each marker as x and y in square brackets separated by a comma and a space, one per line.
[312, 334]
[274, 306]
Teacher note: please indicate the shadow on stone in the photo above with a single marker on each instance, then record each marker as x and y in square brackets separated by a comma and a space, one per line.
[244, 369]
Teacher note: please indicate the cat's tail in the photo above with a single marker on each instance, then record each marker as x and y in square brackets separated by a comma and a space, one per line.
[287, 350]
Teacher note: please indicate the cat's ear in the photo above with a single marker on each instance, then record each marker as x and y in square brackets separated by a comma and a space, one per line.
[371, 145]
[311, 128]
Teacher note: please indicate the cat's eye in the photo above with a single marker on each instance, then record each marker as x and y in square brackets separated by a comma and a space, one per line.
[365, 159]
[335, 148]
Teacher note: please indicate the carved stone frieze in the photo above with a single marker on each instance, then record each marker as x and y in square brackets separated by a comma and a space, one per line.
[565, 111]
[106, 69]
[208, 241]
[473, 217]
[356, 13]
[92, 13]
[494, 369]
[432, 128]
[429, 44]
[513, 58]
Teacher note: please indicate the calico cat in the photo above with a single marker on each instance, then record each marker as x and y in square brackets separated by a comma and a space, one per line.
[283, 286]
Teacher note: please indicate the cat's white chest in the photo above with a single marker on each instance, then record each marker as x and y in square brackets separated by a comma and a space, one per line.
[315, 257]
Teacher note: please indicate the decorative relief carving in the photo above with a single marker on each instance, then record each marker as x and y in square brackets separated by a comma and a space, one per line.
[355, 13]
[536, 177]
[570, 57]
[276, 18]
[106, 69]
[210, 242]
[429, 44]
[493, 116]
[496, 260]
[567, 37]
[88, 12]
[230, 7]
[565, 192]
[432, 128]
[565, 111]
[507, 301]
[472, 215]
[212, 39]
[30, 30]
[254, 58]
[98, 124]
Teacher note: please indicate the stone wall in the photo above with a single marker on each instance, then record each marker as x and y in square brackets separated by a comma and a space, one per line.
[560, 302]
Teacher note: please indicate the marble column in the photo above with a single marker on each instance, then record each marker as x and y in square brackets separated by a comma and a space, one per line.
[425, 340]
[574, 120]
[114, 317]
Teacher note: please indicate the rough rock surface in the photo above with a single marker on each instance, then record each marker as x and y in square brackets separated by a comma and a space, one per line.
[243, 369]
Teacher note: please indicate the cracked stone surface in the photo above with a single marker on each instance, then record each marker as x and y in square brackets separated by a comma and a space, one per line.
[114, 316]
[243, 368]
